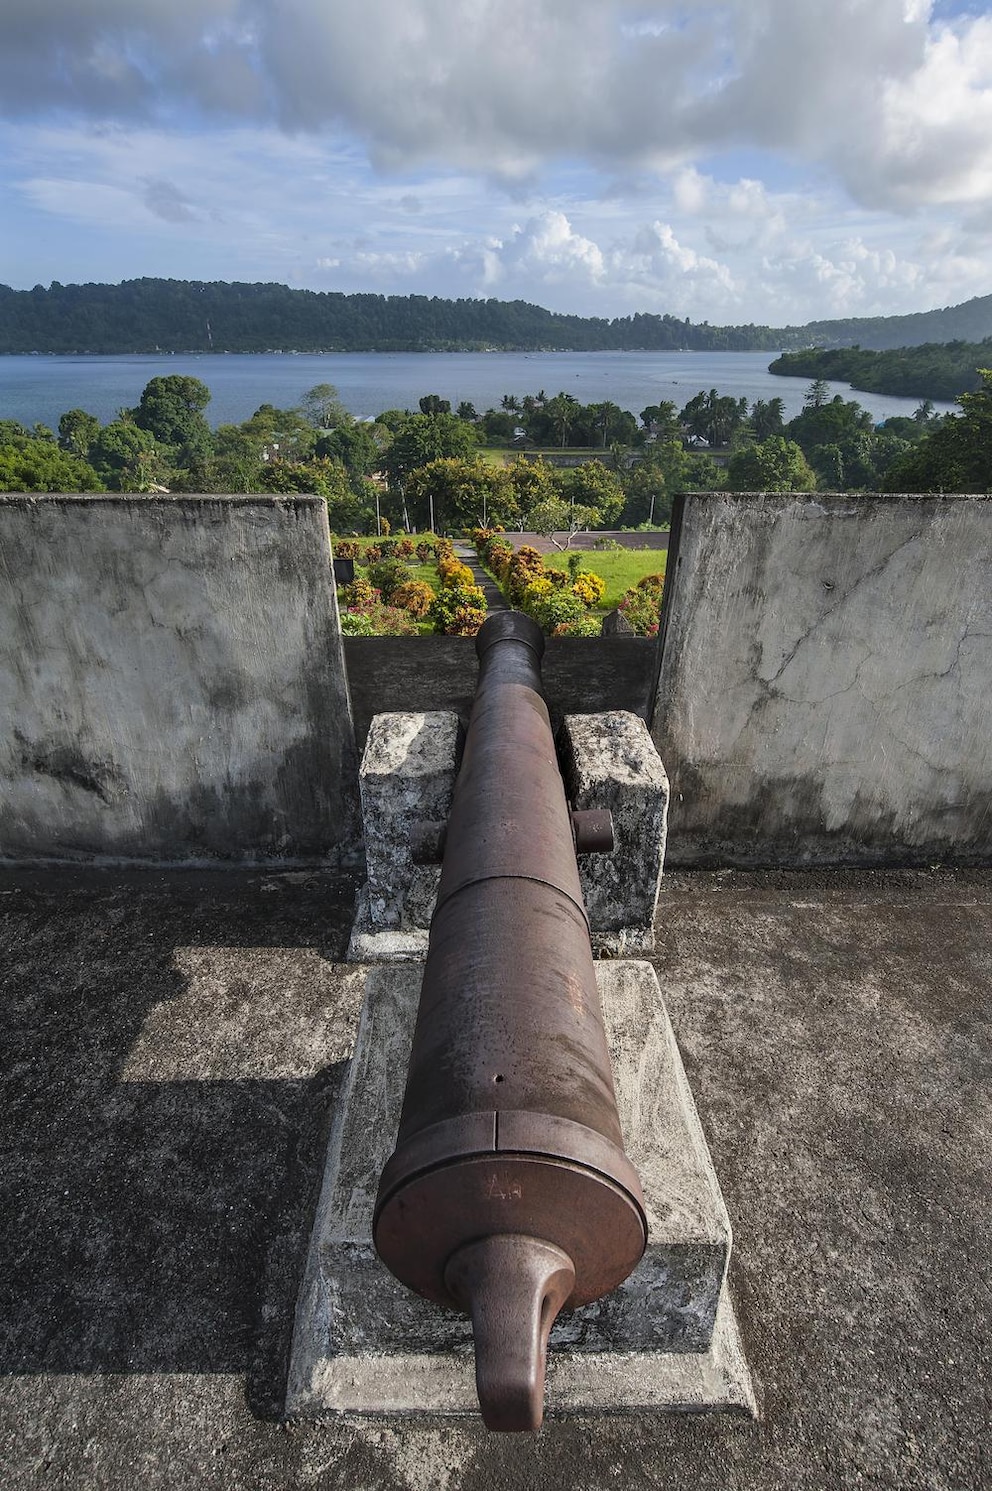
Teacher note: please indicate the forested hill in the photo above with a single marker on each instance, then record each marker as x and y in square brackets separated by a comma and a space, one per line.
[150, 315]
[929, 371]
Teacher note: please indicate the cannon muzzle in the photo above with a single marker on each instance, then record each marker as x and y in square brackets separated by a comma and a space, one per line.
[509, 1195]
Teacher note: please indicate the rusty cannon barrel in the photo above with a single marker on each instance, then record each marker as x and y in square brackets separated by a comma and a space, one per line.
[508, 1195]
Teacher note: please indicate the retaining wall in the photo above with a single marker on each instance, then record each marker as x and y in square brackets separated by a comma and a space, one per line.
[825, 688]
[172, 681]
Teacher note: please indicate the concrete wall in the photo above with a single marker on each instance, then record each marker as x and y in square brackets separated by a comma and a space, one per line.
[582, 675]
[825, 689]
[171, 681]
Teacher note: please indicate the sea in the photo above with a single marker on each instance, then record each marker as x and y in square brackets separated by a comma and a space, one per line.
[40, 388]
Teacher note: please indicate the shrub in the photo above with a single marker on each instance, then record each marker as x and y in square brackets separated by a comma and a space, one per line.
[557, 607]
[346, 548]
[359, 595]
[499, 556]
[415, 596]
[356, 624]
[466, 621]
[589, 588]
[525, 566]
[373, 554]
[385, 621]
[582, 626]
[425, 550]
[453, 572]
[404, 548]
[641, 605]
[387, 575]
[383, 528]
[458, 610]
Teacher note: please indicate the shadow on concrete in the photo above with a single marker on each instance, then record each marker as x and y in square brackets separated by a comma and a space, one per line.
[169, 1062]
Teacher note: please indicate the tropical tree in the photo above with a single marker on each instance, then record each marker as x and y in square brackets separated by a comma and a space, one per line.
[772, 465]
[767, 417]
[957, 457]
[423, 438]
[77, 431]
[358, 446]
[322, 408]
[714, 417]
[553, 515]
[817, 394]
[594, 487]
[128, 458]
[432, 403]
[459, 493]
[171, 408]
[561, 412]
[662, 419]
[28, 464]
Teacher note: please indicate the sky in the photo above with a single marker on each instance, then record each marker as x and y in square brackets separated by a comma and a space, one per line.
[775, 161]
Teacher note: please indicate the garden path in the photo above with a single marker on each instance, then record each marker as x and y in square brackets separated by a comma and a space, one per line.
[495, 599]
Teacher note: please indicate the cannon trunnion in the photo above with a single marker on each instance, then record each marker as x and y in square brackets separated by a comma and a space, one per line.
[509, 1194]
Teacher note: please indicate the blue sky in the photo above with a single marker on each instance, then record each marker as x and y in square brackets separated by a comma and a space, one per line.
[730, 160]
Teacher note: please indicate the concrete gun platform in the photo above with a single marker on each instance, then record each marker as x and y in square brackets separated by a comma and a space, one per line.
[666, 1338]
[172, 1047]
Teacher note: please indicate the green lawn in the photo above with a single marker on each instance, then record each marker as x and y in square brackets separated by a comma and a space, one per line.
[619, 568]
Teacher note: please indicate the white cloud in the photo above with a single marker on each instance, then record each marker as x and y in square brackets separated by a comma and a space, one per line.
[594, 155]
[897, 105]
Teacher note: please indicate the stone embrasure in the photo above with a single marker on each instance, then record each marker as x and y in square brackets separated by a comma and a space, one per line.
[610, 761]
[406, 780]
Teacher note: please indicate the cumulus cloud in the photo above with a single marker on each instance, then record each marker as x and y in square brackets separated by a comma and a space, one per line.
[894, 101]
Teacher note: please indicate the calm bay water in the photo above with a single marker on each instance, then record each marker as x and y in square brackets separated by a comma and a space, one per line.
[42, 388]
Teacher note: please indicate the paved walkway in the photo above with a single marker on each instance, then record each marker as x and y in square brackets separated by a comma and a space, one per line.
[173, 1047]
[495, 599]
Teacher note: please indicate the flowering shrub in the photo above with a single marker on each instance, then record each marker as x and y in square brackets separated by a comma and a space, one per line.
[641, 605]
[589, 588]
[415, 596]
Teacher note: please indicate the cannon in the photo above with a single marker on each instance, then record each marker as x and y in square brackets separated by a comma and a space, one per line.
[508, 1195]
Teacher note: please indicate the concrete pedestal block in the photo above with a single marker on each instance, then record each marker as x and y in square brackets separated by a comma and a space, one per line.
[406, 780]
[667, 1338]
[610, 761]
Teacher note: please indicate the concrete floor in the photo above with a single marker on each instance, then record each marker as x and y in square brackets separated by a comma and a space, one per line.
[172, 1046]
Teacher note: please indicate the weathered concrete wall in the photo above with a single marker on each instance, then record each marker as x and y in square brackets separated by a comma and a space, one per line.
[171, 681]
[825, 689]
[581, 675]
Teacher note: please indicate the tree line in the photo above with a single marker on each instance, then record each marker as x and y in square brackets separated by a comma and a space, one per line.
[157, 315]
[434, 468]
